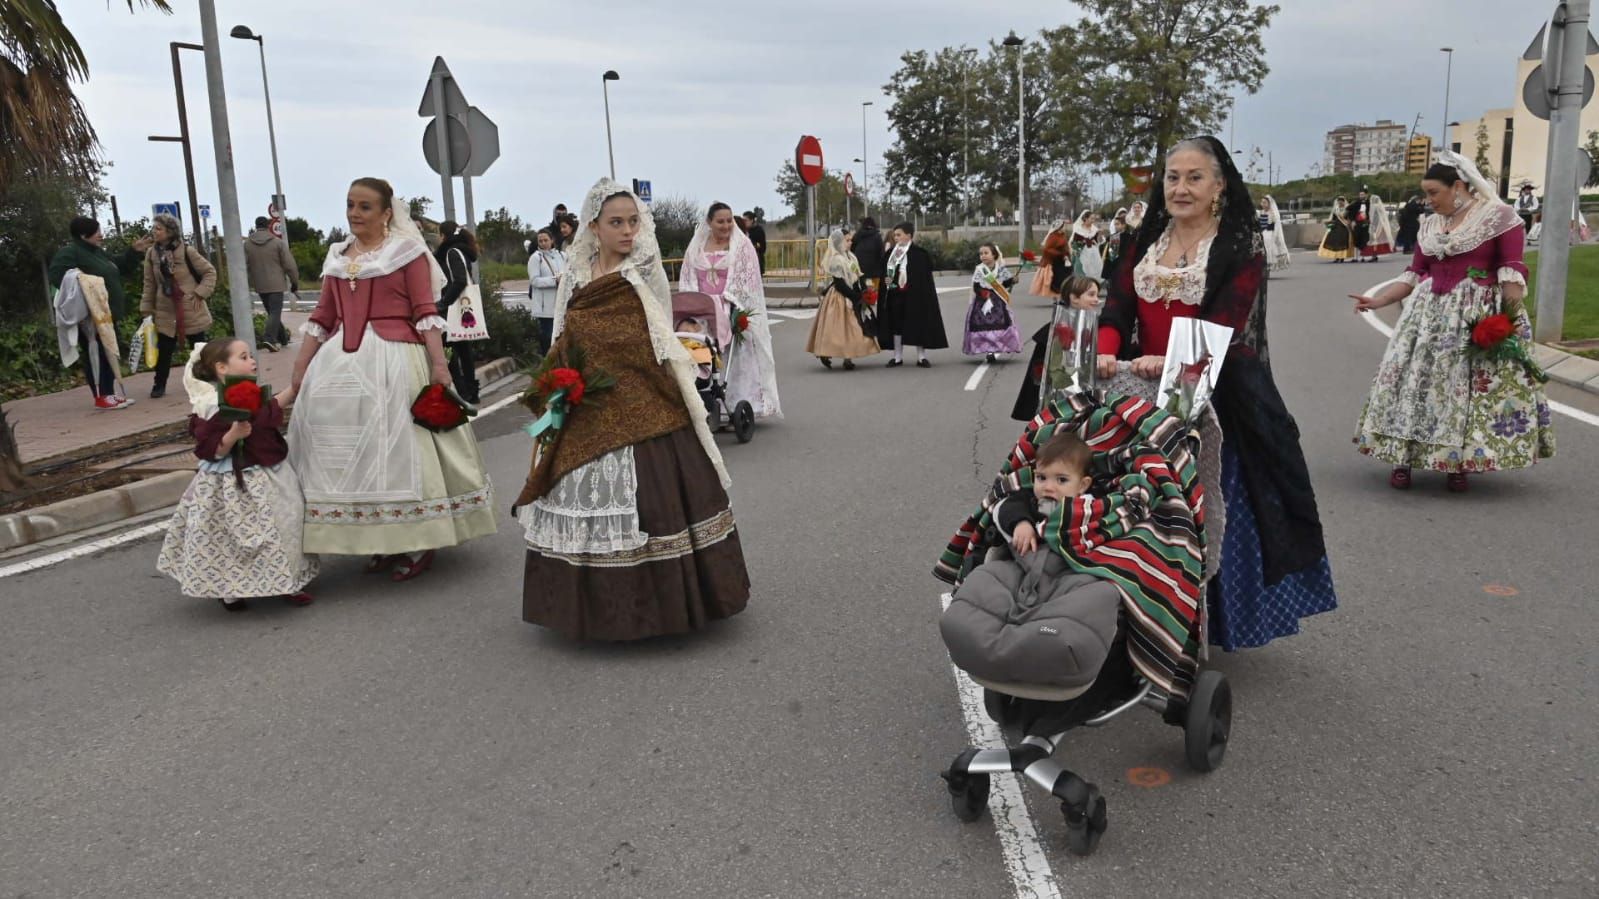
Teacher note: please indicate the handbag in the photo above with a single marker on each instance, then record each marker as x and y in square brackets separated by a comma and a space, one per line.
[141, 349]
[465, 319]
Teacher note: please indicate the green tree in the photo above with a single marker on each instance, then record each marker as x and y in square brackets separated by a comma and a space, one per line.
[298, 230]
[675, 220]
[42, 125]
[1592, 146]
[829, 196]
[1484, 165]
[1158, 71]
[500, 235]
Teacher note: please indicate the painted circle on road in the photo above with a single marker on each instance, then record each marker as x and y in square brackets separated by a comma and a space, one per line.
[1148, 778]
[1500, 590]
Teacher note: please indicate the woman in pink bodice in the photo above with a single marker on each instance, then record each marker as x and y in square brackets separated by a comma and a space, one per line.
[1436, 401]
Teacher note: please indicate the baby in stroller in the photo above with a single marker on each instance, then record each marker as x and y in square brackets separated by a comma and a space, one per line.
[694, 334]
[1104, 615]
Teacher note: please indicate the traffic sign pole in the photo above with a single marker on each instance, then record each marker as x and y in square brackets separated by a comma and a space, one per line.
[1560, 186]
[227, 189]
[443, 138]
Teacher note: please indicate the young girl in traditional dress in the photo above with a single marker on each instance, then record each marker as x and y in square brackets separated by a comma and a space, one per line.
[837, 329]
[236, 533]
[990, 327]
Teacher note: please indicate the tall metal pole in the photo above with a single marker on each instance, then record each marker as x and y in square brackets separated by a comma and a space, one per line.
[272, 134]
[1560, 188]
[183, 138]
[605, 85]
[1021, 153]
[227, 190]
[1449, 71]
[966, 141]
[866, 166]
[466, 194]
[442, 139]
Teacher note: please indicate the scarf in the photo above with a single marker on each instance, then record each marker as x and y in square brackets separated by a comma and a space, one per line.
[993, 278]
[896, 265]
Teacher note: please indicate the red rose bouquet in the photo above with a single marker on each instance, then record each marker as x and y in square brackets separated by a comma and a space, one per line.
[439, 408]
[561, 383]
[740, 319]
[869, 296]
[1028, 258]
[1494, 339]
[239, 399]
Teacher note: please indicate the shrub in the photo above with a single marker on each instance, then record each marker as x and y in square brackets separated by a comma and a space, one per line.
[512, 331]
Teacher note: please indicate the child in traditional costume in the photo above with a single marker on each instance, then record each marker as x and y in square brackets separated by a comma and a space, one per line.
[236, 533]
[990, 327]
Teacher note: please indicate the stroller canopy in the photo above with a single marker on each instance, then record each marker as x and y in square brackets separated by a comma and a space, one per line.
[690, 303]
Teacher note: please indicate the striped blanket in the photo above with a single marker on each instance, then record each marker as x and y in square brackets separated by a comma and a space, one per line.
[1143, 532]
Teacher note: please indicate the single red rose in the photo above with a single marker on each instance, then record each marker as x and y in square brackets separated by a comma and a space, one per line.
[574, 394]
[1064, 335]
[1028, 255]
[1194, 372]
[244, 395]
[564, 378]
[870, 297]
[435, 409]
[742, 323]
[1037, 373]
[1492, 331]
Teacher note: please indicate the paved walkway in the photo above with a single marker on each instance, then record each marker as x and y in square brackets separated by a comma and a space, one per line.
[59, 423]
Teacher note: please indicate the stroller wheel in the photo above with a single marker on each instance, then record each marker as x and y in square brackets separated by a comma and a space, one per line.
[1209, 721]
[711, 422]
[744, 421]
[1085, 827]
[968, 794]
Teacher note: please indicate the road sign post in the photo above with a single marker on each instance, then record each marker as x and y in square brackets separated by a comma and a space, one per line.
[808, 162]
[460, 140]
[1568, 70]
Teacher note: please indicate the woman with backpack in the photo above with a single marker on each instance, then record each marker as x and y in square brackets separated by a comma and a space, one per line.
[178, 283]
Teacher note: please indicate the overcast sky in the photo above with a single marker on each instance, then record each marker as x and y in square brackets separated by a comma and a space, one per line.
[709, 103]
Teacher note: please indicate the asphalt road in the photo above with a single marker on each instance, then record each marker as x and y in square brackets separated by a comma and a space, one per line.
[1435, 736]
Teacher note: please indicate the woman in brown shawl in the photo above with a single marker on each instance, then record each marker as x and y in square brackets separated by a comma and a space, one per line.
[629, 530]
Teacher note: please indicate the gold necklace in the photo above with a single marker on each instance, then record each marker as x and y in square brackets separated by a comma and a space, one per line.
[352, 268]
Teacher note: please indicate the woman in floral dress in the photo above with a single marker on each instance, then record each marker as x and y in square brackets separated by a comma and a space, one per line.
[1436, 402]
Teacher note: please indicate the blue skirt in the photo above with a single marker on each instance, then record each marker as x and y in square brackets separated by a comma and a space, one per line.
[1244, 612]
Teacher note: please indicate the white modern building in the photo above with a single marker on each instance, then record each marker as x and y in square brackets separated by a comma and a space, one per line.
[1365, 149]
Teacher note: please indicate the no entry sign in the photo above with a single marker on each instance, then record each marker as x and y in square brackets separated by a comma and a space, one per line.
[849, 185]
[808, 160]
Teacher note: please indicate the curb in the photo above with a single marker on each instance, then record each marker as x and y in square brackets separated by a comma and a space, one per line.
[1569, 369]
[93, 510]
[103, 507]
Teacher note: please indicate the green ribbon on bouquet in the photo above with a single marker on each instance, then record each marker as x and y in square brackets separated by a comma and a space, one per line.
[554, 416]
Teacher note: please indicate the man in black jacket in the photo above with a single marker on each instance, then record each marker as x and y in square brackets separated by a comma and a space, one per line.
[757, 236]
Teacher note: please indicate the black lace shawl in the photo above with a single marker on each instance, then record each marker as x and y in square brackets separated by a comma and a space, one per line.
[1254, 419]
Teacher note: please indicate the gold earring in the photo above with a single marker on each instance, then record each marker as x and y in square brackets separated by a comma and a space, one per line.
[1215, 206]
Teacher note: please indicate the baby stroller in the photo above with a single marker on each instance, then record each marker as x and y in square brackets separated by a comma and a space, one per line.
[701, 324]
[1143, 532]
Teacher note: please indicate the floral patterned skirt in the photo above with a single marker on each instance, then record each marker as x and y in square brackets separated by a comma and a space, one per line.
[1436, 406]
[224, 542]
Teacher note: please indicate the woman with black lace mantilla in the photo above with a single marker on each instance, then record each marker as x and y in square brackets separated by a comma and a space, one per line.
[628, 526]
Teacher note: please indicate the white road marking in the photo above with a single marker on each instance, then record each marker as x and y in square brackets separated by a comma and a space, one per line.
[1587, 418]
[82, 549]
[90, 548]
[977, 376]
[952, 289]
[1019, 844]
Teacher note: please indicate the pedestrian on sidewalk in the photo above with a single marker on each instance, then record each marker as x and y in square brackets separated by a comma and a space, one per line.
[85, 251]
[377, 483]
[1199, 255]
[557, 216]
[867, 245]
[236, 533]
[990, 326]
[456, 255]
[756, 232]
[628, 527]
[908, 312]
[178, 283]
[271, 269]
[1437, 401]
[544, 271]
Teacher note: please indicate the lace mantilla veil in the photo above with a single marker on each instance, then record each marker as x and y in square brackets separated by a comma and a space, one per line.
[642, 268]
[746, 290]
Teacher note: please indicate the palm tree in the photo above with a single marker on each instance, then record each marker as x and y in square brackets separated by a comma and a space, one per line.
[42, 125]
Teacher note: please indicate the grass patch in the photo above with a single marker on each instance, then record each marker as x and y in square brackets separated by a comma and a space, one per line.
[1582, 293]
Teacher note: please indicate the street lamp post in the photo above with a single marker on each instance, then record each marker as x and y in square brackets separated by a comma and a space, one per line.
[1021, 145]
[183, 138]
[243, 33]
[605, 85]
[1449, 69]
[866, 177]
[966, 136]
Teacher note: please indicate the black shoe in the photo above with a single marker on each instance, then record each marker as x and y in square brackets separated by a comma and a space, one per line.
[827, 361]
[991, 358]
[895, 363]
[849, 365]
[158, 391]
[923, 363]
[237, 605]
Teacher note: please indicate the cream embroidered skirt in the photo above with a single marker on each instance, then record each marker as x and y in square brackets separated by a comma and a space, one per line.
[227, 543]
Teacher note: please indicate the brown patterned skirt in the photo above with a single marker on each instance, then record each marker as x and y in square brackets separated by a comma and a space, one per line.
[690, 572]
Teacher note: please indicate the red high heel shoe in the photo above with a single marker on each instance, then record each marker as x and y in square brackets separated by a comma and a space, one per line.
[299, 599]
[1400, 478]
[1457, 482]
[410, 568]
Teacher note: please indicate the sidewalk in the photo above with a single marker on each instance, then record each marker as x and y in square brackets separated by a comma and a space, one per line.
[58, 423]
